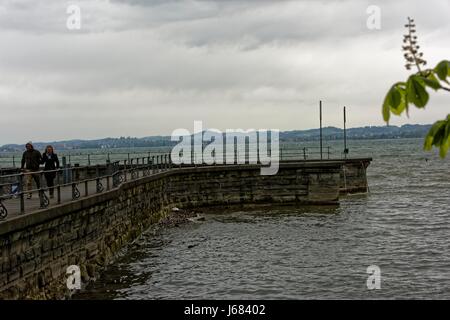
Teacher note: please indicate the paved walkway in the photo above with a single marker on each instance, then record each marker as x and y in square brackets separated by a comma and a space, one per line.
[12, 205]
[33, 204]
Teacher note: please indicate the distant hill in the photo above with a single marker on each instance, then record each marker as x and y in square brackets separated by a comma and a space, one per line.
[329, 133]
[333, 133]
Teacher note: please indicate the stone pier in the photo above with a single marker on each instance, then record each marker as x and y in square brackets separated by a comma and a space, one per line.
[36, 248]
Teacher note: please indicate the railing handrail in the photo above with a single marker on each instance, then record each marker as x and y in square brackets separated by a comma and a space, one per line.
[102, 156]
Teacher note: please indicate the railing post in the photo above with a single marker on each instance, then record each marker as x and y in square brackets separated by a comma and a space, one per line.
[89, 159]
[64, 166]
[124, 170]
[77, 171]
[58, 188]
[22, 194]
[14, 162]
[153, 164]
[86, 183]
[41, 193]
[135, 167]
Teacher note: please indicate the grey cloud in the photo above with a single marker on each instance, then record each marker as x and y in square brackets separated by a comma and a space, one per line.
[149, 67]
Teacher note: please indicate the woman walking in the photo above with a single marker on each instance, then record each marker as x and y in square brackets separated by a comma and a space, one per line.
[51, 163]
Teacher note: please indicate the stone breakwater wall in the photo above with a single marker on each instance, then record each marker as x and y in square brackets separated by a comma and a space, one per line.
[37, 248]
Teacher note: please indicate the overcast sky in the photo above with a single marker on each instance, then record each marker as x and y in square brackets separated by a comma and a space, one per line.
[139, 68]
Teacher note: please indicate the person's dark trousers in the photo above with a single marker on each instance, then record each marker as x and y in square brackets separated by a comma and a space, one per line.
[50, 179]
[37, 180]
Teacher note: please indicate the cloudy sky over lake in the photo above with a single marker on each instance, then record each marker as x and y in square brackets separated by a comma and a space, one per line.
[139, 68]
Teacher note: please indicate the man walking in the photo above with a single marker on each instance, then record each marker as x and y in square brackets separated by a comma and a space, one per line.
[31, 159]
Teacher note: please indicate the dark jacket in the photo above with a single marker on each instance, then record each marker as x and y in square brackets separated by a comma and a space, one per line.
[31, 159]
[50, 161]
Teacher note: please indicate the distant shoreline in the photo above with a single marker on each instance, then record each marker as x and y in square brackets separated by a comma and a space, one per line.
[295, 136]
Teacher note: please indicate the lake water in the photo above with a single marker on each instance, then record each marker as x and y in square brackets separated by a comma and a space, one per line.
[402, 226]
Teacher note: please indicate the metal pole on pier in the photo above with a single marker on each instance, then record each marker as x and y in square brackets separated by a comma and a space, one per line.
[320, 111]
[345, 133]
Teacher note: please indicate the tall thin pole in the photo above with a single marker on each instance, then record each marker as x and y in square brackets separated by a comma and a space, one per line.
[345, 134]
[320, 109]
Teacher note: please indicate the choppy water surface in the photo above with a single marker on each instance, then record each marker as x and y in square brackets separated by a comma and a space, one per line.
[403, 226]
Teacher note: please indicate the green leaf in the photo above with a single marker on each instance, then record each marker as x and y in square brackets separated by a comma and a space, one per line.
[430, 138]
[394, 101]
[387, 105]
[431, 81]
[399, 101]
[439, 136]
[416, 92]
[446, 140]
[443, 70]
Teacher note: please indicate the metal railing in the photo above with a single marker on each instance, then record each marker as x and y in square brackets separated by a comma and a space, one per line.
[8, 161]
[14, 160]
[76, 181]
[82, 181]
